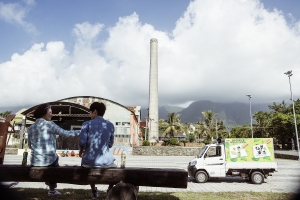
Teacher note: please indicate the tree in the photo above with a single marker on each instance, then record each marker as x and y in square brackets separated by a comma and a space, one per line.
[188, 128]
[282, 121]
[262, 128]
[278, 123]
[222, 130]
[5, 114]
[200, 129]
[173, 125]
[209, 126]
[191, 137]
[162, 125]
[240, 132]
[142, 132]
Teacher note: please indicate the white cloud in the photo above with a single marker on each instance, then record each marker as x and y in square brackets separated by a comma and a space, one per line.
[219, 51]
[14, 13]
[86, 33]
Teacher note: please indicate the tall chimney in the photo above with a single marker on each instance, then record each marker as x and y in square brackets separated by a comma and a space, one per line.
[153, 92]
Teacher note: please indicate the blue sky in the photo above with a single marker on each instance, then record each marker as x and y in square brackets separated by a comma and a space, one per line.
[208, 50]
[55, 19]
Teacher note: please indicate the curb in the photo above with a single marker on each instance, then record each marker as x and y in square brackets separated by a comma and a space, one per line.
[286, 156]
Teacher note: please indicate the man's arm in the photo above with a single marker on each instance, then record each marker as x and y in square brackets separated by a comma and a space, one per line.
[112, 136]
[64, 133]
[83, 138]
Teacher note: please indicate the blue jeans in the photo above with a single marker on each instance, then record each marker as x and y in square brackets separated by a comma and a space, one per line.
[52, 185]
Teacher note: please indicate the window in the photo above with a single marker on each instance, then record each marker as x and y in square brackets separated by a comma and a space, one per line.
[122, 130]
[214, 151]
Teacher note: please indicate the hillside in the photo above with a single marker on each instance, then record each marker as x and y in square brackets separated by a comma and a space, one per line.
[232, 114]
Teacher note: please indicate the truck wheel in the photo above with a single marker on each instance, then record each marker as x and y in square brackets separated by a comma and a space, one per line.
[257, 178]
[201, 177]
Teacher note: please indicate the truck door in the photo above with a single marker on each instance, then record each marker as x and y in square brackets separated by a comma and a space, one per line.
[214, 161]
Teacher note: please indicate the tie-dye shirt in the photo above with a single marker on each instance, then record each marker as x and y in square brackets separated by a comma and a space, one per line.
[42, 141]
[96, 137]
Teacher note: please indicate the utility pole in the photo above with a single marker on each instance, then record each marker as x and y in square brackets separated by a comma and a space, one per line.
[289, 74]
[249, 95]
[22, 132]
[217, 128]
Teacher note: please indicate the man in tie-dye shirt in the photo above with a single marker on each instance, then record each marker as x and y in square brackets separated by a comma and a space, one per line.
[42, 141]
[96, 137]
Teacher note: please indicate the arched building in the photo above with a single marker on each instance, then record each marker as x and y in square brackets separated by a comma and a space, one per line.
[71, 112]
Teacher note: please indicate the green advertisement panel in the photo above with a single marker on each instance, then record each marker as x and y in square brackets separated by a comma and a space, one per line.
[249, 150]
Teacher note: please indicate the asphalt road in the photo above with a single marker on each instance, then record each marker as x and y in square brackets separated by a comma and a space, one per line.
[286, 180]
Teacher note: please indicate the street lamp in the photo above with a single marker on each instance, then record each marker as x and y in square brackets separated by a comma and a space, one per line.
[249, 95]
[289, 74]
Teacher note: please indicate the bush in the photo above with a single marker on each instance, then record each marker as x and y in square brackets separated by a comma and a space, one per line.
[166, 142]
[173, 141]
[184, 142]
[146, 143]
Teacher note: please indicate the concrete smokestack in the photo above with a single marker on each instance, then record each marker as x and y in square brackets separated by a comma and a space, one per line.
[153, 92]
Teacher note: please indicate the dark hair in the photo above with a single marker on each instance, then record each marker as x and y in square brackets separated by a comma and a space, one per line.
[100, 107]
[41, 110]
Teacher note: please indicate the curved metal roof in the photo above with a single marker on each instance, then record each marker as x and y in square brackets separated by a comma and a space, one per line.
[97, 98]
[127, 108]
[61, 109]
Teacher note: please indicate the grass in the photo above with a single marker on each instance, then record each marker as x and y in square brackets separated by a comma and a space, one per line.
[75, 194]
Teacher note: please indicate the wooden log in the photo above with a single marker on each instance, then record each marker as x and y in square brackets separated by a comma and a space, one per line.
[156, 177]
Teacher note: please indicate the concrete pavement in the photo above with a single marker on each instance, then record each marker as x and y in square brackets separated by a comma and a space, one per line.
[286, 180]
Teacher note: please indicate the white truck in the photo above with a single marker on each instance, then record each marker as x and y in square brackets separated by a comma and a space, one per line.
[249, 158]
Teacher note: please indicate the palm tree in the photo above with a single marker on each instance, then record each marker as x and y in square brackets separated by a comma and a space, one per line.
[200, 129]
[187, 128]
[209, 122]
[162, 125]
[173, 124]
[5, 114]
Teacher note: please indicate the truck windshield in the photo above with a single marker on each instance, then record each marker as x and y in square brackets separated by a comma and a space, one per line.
[203, 151]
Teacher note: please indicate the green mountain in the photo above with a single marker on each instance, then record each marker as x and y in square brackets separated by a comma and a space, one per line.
[232, 114]
[162, 111]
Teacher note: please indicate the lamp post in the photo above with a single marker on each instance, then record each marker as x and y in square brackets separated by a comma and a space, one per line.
[249, 95]
[289, 74]
[217, 128]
